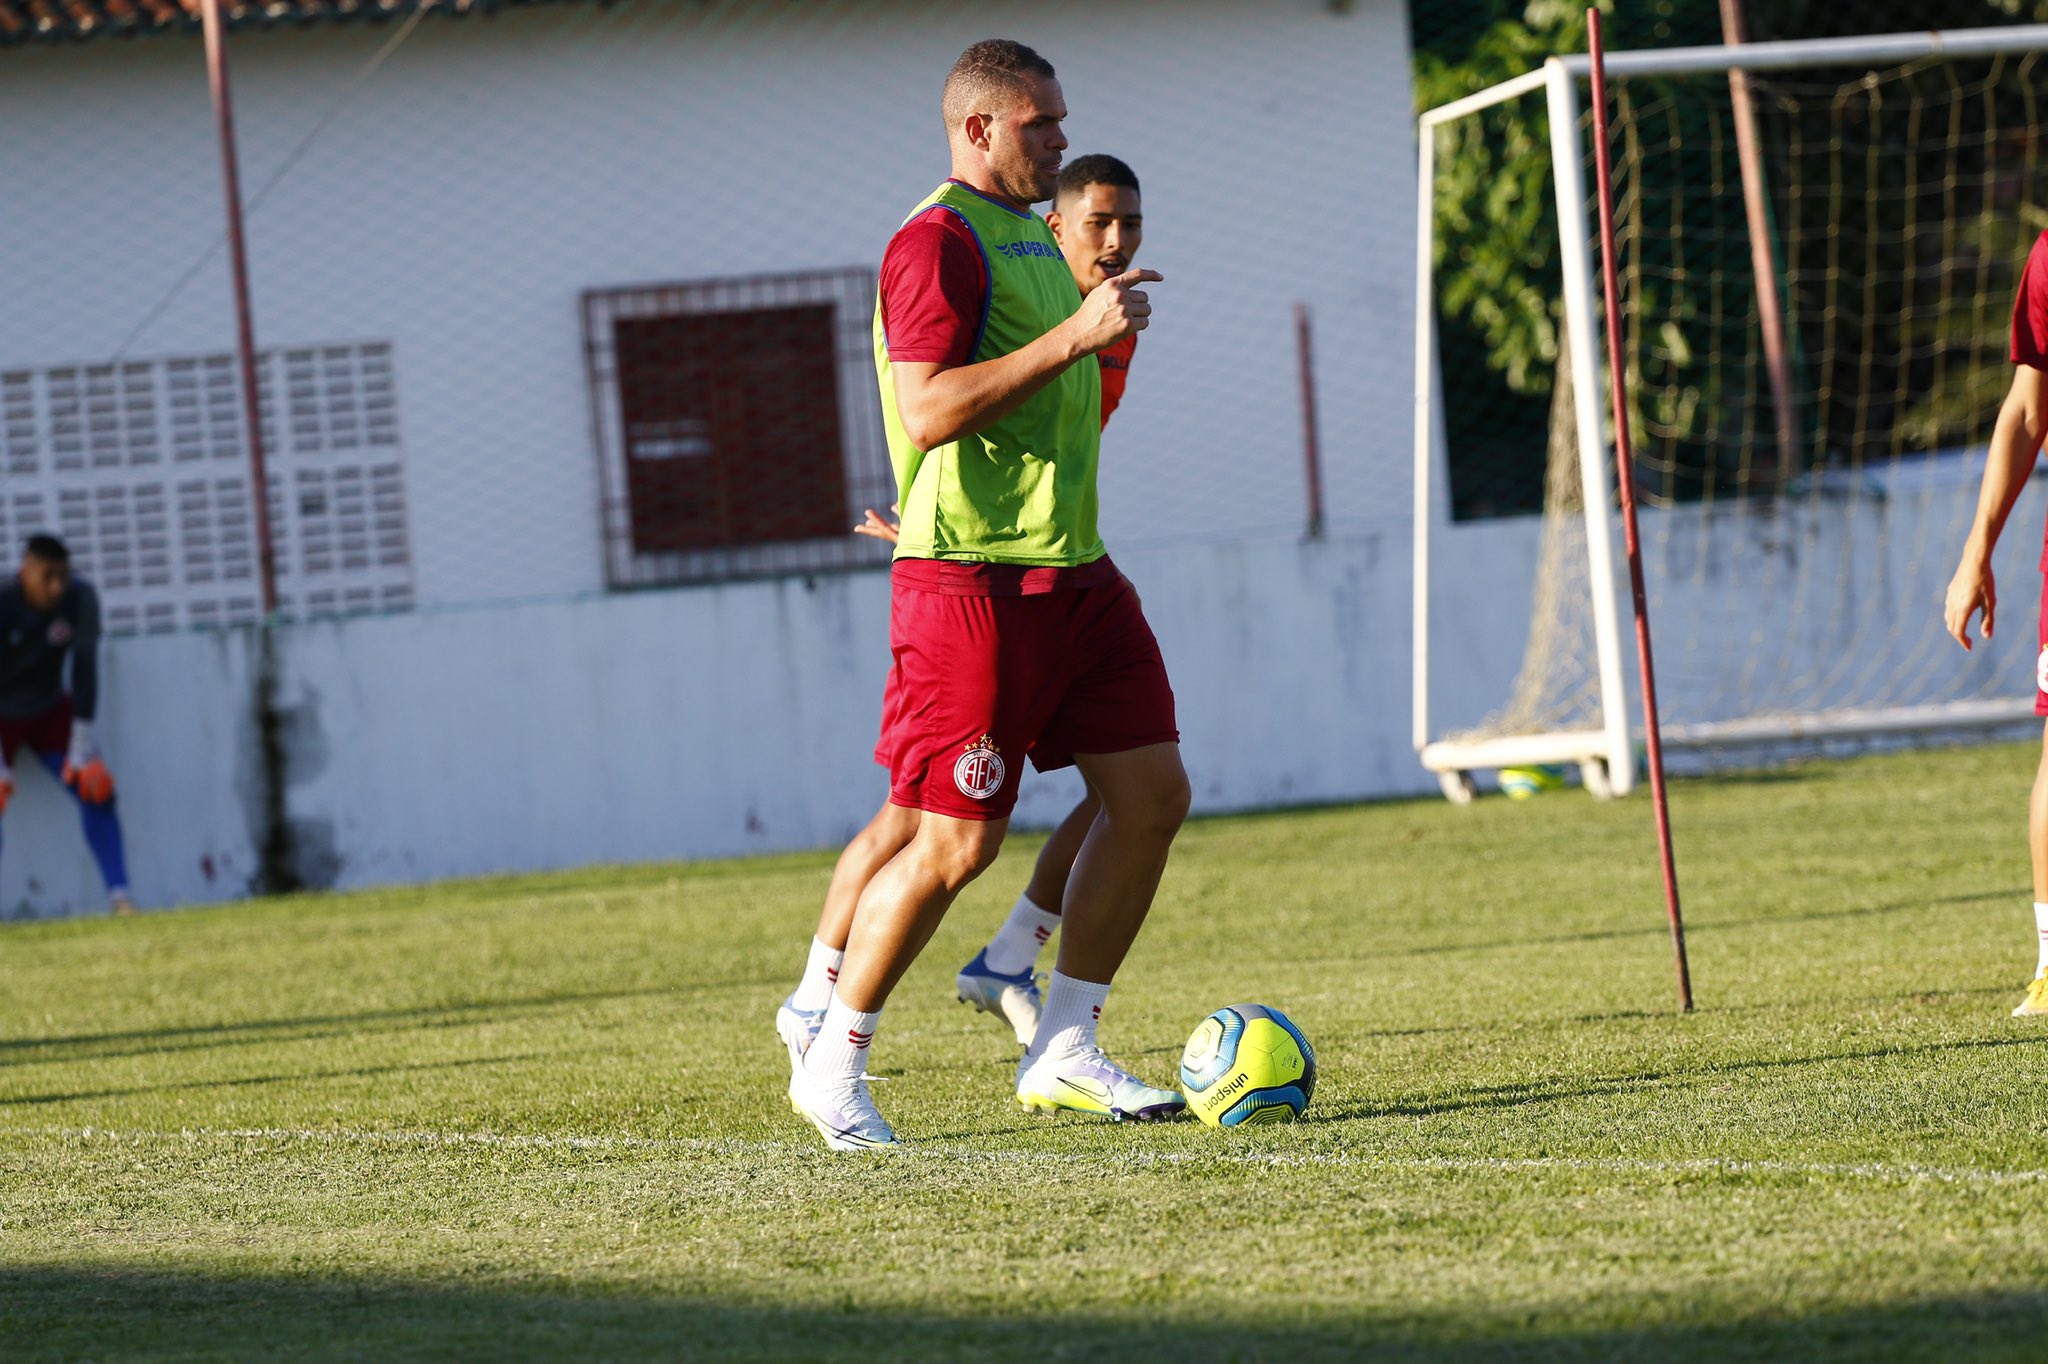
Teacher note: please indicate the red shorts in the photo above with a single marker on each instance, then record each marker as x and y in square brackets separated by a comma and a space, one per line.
[48, 732]
[1042, 758]
[984, 680]
[2041, 658]
[892, 697]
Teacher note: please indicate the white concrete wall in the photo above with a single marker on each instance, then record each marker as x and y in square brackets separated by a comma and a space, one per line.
[711, 721]
[497, 166]
[676, 724]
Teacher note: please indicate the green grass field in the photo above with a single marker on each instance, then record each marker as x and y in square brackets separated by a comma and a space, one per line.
[542, 1118]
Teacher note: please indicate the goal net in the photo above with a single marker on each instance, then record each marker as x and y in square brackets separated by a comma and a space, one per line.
[1816, 348]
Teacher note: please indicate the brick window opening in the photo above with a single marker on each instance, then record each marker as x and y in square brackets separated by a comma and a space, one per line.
[738, 426]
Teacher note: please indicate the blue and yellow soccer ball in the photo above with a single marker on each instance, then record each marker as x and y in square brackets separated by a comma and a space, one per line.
[1247, 1063]
[1520, 783]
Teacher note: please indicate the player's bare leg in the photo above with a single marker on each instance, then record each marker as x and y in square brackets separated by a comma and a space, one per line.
[903, 904]
[2036, 1002]
[1145, 795]
[897, 914]
[798, 1019]
[1048, 887]
[1003, 977]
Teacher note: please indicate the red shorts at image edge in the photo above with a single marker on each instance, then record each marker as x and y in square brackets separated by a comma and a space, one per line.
[48, 732]
[983, 681]
[2041, 658]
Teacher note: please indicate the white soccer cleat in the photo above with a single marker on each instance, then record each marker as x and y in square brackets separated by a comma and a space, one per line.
[842, 1111]
[1089, 1082]
[2036, 1002]
[1014, 999]
[797, 1028]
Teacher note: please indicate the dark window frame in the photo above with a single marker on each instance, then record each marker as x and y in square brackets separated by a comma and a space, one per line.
[863, 455]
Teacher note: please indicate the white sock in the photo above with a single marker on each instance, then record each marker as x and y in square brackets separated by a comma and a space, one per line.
[842, 1045]
[821, 972]
[1072, 1009]
[1016, 945]
[2041, 929]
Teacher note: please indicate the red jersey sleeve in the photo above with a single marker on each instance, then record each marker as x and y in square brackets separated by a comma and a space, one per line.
[1116, 369]
[934, 288]
[2030, 309]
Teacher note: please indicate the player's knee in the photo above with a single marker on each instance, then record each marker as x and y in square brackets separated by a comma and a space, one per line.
[1159, 807]
[960, 850]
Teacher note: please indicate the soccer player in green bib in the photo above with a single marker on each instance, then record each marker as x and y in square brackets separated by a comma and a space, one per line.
[1009, 625]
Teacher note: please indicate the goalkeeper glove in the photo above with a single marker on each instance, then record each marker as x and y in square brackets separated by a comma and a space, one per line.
[84, 770]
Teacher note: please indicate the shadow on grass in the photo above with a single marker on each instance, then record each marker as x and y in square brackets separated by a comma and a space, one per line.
[1551, 1089]
[146, 1313]
[261, 1031]
[297, 1077]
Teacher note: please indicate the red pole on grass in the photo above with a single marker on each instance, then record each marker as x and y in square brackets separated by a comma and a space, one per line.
[1624, 463]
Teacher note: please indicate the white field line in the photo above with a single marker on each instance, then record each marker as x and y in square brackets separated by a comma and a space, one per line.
[1874, 1172]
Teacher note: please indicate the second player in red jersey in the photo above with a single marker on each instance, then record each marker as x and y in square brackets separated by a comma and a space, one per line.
[2015, 445]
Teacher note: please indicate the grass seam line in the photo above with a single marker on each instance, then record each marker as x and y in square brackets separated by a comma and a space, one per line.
[398, 1137]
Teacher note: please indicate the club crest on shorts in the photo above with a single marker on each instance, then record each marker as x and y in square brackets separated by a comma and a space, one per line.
[979, 773]
[2041, 669]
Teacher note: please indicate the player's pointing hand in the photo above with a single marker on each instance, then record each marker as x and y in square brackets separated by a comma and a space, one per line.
[1114, 309]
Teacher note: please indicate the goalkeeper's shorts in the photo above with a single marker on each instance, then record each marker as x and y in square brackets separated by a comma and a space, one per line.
[47, 732]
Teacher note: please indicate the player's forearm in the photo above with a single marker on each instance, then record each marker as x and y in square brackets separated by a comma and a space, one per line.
[944, 406]
[85, 679]
[2015, 443]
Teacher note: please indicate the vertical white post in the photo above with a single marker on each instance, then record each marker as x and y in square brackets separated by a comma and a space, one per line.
[1425, 414]
[1576, 250]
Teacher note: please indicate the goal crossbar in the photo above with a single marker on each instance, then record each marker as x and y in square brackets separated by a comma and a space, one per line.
[1811, 53]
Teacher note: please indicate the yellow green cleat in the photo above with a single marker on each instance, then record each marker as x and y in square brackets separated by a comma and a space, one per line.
[2036, 1003]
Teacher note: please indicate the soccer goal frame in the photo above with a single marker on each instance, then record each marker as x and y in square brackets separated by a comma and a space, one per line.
[1605, 755]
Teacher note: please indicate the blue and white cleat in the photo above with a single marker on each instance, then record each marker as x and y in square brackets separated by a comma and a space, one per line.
[842, 1111]
[797, 1028]
[1089, 1082]
[1014, 999]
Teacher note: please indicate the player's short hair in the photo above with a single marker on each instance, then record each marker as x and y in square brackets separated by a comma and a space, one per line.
[48, 548]
[993, 66]
[1096, 168]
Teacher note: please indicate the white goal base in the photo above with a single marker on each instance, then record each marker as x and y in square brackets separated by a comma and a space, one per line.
[1454, 760]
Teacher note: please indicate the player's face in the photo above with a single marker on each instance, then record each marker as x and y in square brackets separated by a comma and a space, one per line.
[43, 582]
[1099, 228]
[1025, 142]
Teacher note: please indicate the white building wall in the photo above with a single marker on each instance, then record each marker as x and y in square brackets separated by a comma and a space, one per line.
[495, 167]
[714, 721]
[690, 723]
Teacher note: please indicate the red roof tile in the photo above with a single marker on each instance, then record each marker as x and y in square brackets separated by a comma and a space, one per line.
[26, 21]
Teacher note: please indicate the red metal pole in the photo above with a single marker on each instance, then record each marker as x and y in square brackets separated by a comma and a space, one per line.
[1763, 267]
[1311, 445]
[238, 269]
[1624, 462]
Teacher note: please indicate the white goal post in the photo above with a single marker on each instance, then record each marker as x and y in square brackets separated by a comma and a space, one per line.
[1836, 498]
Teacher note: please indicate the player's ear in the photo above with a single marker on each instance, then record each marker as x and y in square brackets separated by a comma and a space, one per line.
[977, 127]
[1052, 220]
